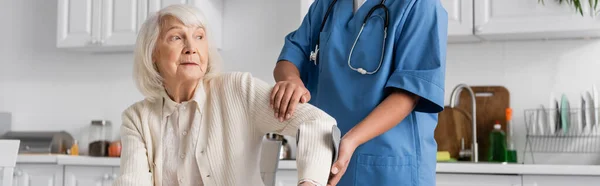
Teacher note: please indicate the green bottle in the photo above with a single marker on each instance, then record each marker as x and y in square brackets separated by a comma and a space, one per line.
[511, 151]
[497, 151]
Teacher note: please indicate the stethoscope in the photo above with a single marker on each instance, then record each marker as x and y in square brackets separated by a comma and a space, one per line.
[313, 54]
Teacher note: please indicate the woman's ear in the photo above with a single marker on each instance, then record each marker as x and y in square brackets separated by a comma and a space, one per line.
[154, 54]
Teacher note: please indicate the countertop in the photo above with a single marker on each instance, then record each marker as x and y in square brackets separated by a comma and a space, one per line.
[450, 168]
[69, 160]
[498, 168]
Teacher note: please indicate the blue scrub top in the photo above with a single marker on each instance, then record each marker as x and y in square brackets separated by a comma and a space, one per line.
[414, 61]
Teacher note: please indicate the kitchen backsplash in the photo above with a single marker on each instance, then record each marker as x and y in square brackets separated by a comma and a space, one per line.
[531, 71]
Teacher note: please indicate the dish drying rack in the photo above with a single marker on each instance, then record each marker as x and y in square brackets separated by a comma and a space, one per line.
[546, 131]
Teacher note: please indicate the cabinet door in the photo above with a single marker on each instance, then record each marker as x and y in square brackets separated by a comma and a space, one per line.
[121, 20]
[528, 19]
[78, 23]
[477, 180]
[286, 178]
[155, 5]
[4, 179]
[38, 175]
[87, 176]
[113, 177]
[534, 180]
[460, 20]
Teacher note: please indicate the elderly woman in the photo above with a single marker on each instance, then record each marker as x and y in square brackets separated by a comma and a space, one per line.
[201, 127]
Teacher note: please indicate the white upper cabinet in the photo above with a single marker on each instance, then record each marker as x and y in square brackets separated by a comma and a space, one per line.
[112, 25]
[155, 5]
[212, 10]
[460, 20]
[528, 19]
[78, 23]
[99, 25]
[121, 20]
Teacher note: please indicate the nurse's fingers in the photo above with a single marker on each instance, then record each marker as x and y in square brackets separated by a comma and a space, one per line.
[285, 102]
[277, 103]
[296, 97]
[336, 174]
[273, 93]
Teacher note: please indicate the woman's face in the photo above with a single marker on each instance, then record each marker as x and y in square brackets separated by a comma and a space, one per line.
[181, 52]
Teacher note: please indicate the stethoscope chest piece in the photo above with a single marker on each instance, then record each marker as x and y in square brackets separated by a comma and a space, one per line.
[313, 54]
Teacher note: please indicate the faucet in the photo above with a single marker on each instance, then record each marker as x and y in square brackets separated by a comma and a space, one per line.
[453, 100]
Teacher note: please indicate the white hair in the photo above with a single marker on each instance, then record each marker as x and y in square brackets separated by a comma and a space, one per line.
[146, 76]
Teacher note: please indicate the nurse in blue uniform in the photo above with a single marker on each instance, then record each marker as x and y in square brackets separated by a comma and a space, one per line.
[378, 67]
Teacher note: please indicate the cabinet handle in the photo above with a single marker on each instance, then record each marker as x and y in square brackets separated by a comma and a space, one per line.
[106, 177]
[18, 173]
[102, 41]
[478, 29]
[114, 177]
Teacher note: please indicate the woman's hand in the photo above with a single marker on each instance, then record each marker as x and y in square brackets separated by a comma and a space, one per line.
[286, 95]
[347, 147]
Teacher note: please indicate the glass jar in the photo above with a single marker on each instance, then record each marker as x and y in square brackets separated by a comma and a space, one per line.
[99, 137]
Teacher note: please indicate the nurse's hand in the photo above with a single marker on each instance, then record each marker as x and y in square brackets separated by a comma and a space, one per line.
[347, 147]
[286, 95]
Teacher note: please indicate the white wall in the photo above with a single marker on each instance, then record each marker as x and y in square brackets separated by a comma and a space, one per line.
[247, 46]
[52, 89]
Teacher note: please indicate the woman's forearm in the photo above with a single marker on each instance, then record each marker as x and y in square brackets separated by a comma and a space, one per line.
[386, 115]
[315, 148]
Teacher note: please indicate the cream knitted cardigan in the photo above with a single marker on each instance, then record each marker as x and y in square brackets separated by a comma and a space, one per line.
[235, 116]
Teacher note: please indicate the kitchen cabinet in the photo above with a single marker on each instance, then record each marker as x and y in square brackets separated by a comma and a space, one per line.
[78, 23]
[528, 19]
[99, 25]
[38, 175]
[114, 176]
[460, 20]
[477, 180]
[121, 20]
[212, 10]
[89, 175]
[546, 180]
[286, 178]
[112, 25]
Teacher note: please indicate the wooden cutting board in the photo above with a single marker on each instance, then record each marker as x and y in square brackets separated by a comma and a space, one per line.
[491, 103]
[454, 124]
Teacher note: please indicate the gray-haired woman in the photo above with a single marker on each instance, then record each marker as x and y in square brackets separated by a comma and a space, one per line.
[201, 127]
